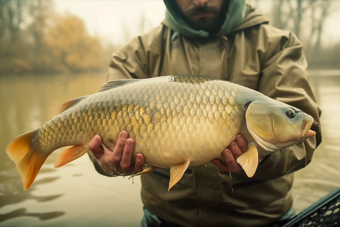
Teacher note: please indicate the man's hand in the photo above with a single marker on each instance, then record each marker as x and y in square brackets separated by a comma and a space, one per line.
[117, 161]
[230, 155]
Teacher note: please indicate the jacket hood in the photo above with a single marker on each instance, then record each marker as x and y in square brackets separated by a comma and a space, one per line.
[237, 12]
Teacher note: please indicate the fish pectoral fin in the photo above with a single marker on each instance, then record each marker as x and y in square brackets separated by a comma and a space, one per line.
[176, 173]
[70, 154]
[249, 160]
[147, 169]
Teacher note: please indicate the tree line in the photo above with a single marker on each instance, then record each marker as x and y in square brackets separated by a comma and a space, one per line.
[307, 19]
[33, 38]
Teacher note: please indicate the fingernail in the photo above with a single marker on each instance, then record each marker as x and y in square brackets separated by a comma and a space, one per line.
[124, 135]
[97, 138]
[130, 142]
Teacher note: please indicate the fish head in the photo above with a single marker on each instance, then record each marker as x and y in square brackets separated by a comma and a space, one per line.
[275, 125]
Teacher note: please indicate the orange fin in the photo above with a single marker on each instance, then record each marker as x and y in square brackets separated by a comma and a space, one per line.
[249, 160]
[28, 161]
[70, 154]
[147, 169]
[176, 173]
[69, 103]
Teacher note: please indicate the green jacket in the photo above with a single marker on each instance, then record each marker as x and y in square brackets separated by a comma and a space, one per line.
[251, 53]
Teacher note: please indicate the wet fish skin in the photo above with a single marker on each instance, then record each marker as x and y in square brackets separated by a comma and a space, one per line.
[176, 121]
[174, 118]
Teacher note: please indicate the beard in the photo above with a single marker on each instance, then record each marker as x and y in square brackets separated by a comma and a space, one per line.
[211, 23]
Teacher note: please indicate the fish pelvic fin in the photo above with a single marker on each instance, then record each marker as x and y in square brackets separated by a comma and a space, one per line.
[249, 160]
[70, 154]
[28, 159]
[176, 173]
[147, 169]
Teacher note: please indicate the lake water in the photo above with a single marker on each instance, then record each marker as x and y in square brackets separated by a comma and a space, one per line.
[76, 195]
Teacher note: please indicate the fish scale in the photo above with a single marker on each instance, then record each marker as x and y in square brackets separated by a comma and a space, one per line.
[176, 121]
[170, 118]
[165, 120]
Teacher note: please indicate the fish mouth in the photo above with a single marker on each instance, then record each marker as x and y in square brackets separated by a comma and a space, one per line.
[307, 132]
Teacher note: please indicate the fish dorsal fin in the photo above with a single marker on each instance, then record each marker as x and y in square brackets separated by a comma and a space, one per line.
[176, 173]
[68, 104]
[115, 83]
[70, 154]
[249, 160]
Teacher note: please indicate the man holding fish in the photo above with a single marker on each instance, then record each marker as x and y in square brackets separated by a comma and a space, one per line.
[213, 108]
[231, 150]
[228, 40]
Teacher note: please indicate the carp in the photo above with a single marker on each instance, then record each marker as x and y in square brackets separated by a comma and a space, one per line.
[176, 122]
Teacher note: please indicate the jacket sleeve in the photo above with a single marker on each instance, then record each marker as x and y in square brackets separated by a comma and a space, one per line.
[284, 78]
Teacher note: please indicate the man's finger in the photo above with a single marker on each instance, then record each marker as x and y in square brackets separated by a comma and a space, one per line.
[95, 146]
[139, 163]
[242, 143]
[125, 162]
[119, 148]
[230, 160]
[235, 150]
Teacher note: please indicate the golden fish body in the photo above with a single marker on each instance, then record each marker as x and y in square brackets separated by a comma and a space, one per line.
[176, 121]
[170, 122]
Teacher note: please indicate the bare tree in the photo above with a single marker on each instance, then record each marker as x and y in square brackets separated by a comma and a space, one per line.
[281, 15]
[11, 17]
[324, 8]
[303, 17]
[40, 11]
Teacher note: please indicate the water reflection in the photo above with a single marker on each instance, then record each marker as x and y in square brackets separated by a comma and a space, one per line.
[76, 194]
[22, 212]
[11, 191]
[322, 175]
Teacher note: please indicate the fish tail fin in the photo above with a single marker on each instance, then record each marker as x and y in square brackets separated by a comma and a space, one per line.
[28, 160]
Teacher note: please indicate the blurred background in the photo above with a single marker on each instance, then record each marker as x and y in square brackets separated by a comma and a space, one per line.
[55, 50]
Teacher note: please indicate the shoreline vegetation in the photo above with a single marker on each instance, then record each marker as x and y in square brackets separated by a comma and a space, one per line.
[35, 39]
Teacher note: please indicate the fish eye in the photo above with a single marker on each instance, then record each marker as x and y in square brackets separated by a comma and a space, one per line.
[290, 113]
